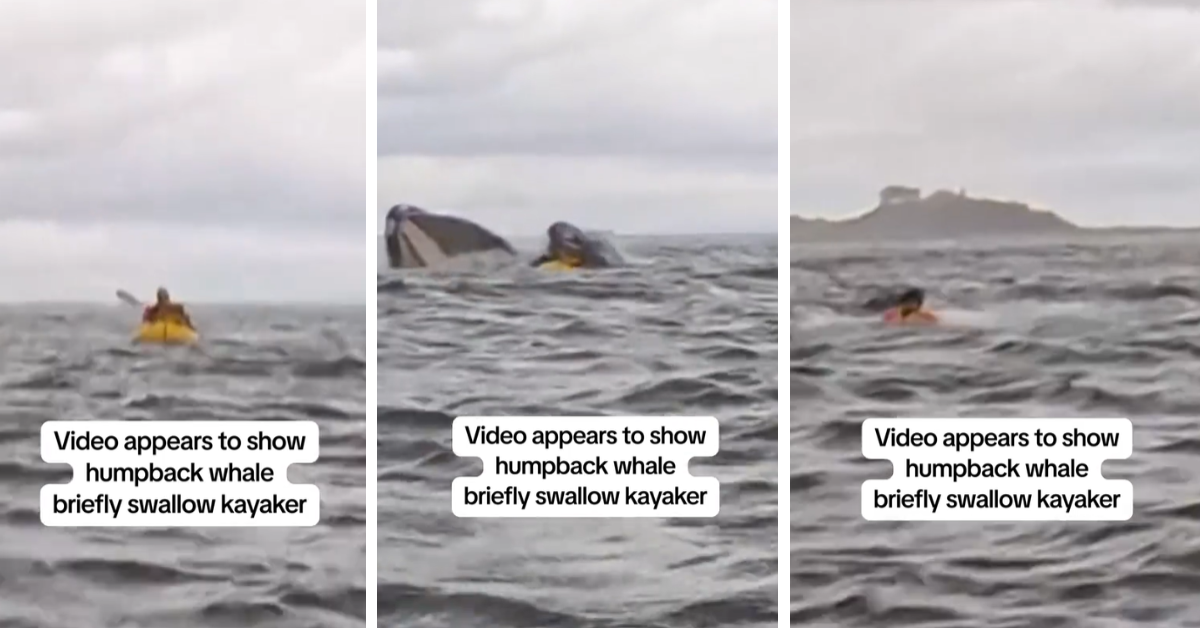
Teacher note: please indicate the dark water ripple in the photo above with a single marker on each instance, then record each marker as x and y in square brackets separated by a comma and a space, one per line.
[1095, 327]
[691, 328]
[75, 362]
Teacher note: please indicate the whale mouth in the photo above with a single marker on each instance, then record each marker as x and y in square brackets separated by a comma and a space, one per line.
[418, 239]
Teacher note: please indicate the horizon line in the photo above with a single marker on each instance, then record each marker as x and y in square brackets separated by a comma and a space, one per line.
[647, 234]
[190, 302]
[1075, 225]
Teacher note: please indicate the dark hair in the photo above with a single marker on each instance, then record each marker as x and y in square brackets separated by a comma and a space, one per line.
[911, 295]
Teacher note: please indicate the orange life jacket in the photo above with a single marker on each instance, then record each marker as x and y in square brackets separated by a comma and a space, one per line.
[920, 316]
[172, 312]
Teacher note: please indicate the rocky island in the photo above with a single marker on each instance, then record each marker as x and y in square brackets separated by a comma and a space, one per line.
[903, 214]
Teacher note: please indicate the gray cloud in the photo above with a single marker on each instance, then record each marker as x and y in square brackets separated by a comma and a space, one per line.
[129, 124]
[1090, 108]
[643, 115]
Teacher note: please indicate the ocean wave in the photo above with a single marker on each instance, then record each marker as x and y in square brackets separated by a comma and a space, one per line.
[689, 328]
[1090, 328]
[76, 363]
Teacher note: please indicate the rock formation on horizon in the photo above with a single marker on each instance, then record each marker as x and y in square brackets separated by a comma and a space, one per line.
[902, 214]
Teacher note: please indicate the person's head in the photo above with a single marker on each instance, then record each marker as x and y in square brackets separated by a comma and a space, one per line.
[910, 301]
[162, 296]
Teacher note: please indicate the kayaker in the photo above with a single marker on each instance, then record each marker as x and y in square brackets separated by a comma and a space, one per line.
[164, 309]
[910, 309]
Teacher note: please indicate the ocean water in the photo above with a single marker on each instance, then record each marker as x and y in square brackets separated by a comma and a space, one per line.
[1096, 326]
[689, 328]
[76, 363]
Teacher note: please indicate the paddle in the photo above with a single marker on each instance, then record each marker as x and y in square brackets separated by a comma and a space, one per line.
[125, 297]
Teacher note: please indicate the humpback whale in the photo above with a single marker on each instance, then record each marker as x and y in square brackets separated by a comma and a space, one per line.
[571, 246]
[415, 238]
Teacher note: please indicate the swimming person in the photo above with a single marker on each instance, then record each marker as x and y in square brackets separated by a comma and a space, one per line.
[910, 309]
[166, 310]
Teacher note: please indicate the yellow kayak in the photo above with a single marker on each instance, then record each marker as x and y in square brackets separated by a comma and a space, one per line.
[556, 265]
[166, 332]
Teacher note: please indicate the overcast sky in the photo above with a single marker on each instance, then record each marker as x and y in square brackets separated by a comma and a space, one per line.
[1087, 107]
[639, 116]
[214, 146]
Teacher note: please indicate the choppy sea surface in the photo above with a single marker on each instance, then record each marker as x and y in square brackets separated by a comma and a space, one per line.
[1098, 326]
[689, 328]
[76, 362]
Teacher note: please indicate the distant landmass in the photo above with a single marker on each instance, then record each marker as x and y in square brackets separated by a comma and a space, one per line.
[903, 214]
